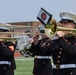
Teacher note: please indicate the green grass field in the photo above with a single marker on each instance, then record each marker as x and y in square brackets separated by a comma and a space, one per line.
[24, 67]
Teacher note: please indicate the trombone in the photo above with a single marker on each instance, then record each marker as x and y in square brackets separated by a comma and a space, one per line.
[16, 26]
[9, 39]
[52, 27]
[13, 27]
[50, 30]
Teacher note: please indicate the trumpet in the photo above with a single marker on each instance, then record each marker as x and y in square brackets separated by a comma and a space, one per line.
[52, 27]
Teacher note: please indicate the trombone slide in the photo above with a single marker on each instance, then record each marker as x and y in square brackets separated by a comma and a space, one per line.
[19, 33]
[9, 38]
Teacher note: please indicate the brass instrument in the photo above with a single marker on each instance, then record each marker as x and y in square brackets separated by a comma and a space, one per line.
[24, 50]
[11, 27]
[9, 39]
[19, 33]
[50, 30]
[52, 27]
[16, 26]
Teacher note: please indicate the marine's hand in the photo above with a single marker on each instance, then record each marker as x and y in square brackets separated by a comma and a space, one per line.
[60, 34]
[1, 40]
[36, 37]
[30, 40]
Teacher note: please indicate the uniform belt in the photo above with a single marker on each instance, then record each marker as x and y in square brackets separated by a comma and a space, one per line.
[64, 66]
[5, 62]
[42, 57]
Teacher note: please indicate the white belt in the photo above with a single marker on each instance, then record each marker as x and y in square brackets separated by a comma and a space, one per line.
[42, 57]
[5, 62]
[64, 66]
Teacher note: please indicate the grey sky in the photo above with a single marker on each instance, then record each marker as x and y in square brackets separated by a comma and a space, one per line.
[27, 10]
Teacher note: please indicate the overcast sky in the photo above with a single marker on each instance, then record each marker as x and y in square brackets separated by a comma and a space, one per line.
[27, 10]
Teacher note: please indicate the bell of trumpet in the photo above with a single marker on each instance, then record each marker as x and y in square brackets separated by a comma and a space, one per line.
[52, 27]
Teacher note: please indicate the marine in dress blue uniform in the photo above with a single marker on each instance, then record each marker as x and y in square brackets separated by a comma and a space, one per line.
[63, 48]
[42, 62]
[7, 49]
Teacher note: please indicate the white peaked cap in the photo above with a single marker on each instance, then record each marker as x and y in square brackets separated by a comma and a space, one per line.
[6, 26]
[41, 27]
[68, 15]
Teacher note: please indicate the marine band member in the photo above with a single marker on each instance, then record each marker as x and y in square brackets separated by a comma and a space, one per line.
[42, 62]
[7, 49]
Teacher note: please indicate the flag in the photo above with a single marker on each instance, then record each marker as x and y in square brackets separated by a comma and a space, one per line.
[44, 17]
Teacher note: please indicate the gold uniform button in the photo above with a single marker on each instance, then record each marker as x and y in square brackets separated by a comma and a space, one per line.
[68, 43]
[53, 49]
[60, 48]
[59, 52]
[71, 73]
[4, 67]
[58, 61]
[58, 56]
